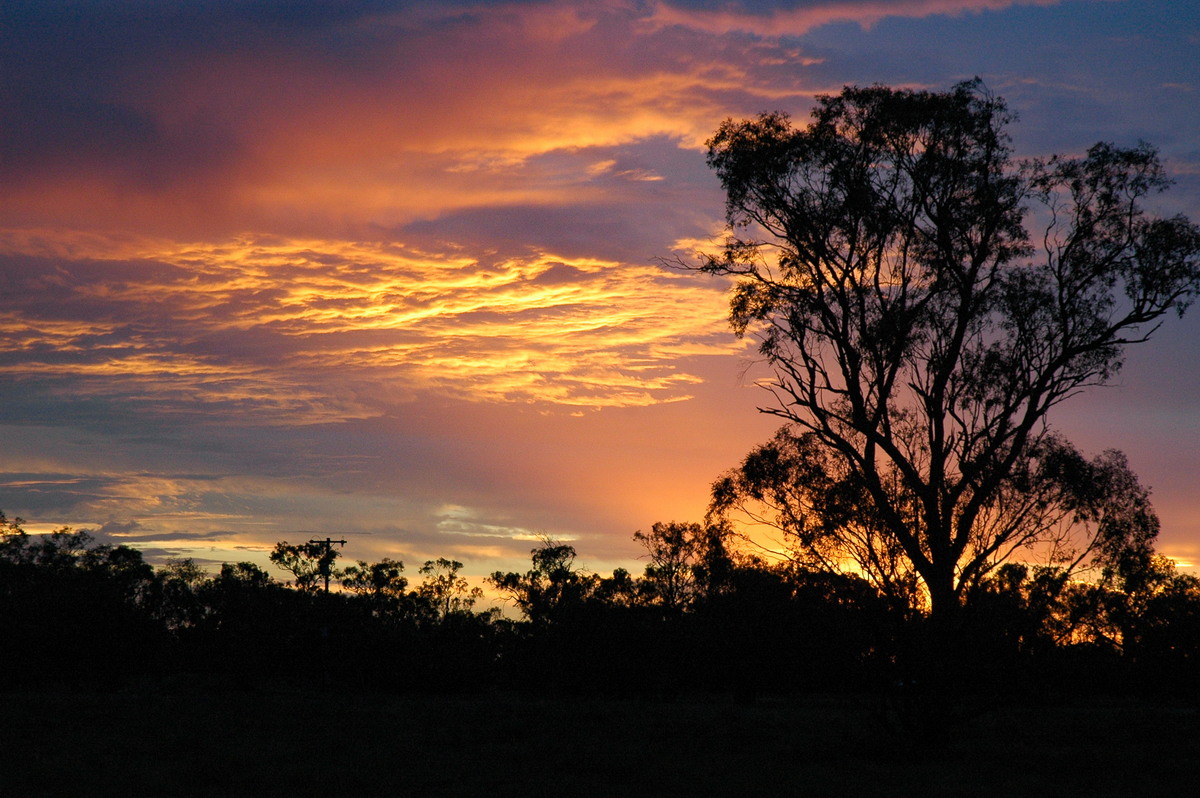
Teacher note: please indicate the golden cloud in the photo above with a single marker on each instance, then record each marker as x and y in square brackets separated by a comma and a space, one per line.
[321, 330]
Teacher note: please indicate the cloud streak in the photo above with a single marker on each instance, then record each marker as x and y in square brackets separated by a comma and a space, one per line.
[314, 331]
[794, 17]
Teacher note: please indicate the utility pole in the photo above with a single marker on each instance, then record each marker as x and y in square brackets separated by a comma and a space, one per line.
[326, 559]
[325, 563]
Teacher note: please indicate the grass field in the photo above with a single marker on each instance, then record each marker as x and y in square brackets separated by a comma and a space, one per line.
[223, 743]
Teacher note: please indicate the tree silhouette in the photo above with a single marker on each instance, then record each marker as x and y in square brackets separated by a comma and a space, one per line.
[180, 605]
[310, 564]
[1150, 613]
[444, 591]
[383, 585]
[687, 561]
[73, 612]
[920, 334]
[552, 588]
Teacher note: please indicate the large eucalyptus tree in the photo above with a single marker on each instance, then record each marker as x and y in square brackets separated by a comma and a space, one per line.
[924, 303]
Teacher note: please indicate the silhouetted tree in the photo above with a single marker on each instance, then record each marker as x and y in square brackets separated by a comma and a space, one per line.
[179, 602]
[244, 617]
[240, 576]
[385, 577]
[583, 633]
[382, 584]
[618, 590]
[552, 588]
[1150, 613]
[687, 561]
[919, 338]
[794, 485]
[444, 591]
[8, 528]
[75, 612]
[310, 564]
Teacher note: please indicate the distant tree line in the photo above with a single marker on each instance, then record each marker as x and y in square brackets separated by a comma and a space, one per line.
[703, 617]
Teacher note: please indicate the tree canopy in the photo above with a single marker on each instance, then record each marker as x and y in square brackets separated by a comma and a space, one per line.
[924, 301]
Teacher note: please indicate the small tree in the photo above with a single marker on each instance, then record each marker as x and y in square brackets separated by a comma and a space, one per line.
[382, 583]
[383, 578]
[687, 561]
[551, 588]
[310, 564]
[920, 335]
[444, 591]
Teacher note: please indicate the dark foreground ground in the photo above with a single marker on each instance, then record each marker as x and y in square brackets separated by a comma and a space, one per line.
[173, 742]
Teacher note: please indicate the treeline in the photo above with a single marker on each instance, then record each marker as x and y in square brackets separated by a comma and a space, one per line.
[702, 617]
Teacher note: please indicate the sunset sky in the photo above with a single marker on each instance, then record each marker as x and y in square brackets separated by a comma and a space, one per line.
[387, 270]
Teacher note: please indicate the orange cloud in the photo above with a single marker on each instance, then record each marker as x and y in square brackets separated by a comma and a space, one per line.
[282, 328]
[433, 111]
